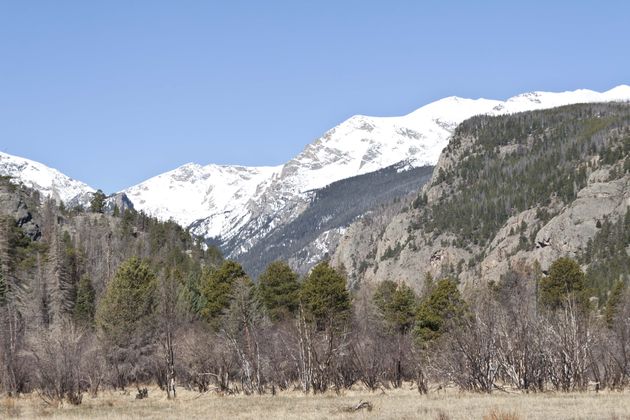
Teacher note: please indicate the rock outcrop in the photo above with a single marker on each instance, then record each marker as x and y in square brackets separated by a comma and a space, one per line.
[408, 245]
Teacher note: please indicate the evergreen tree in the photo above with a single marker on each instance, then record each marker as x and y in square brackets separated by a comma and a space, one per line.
[85, 307]
[607, 257]
[97, 204]
[397, 305]
[438, 310]
[125, 312]
[216, 288]
[612, 306]
[565, 280]
[324, 297]
[278, 286]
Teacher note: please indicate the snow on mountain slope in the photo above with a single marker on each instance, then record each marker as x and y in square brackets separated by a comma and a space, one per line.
[193, 192]
[242, 204]
[48, 181]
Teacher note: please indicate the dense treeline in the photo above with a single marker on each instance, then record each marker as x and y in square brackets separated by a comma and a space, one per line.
[607, 256]
[55, 266]
[523, 161]
[179, 316]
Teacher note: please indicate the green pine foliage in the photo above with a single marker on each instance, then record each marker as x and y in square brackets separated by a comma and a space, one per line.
[128, 305]
[607, 257]
[383, 295]
[565, 280]
[23, 252]
[278, 287]
[392, 252]
[97, 204]
[216, 287]
[85, 306]
[439, 310]
[612, 305]
[324, 297]
[520, 162]
[397, 305]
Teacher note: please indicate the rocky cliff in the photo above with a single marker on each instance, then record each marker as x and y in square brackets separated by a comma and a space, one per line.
[508, 191]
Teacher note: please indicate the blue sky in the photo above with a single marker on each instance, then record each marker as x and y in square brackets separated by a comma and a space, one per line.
[113, 92]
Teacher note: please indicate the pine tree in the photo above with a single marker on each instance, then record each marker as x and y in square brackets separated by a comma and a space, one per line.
[612, 306]
[325, 298]
[383, 296]
[565, 280]
[85, 305]
[397, 305]
[278, 287]
[125, 312]
[97, 204]
[216, 286]
[442, 307]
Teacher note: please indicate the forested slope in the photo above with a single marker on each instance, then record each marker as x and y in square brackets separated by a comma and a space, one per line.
[314, 234]
[511, 191]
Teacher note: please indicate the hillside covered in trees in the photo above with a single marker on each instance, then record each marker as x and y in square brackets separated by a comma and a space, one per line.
[510, 191]
[315, 233]
[104, 298]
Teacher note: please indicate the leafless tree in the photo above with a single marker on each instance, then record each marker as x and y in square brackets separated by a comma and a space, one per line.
[568, 340]
[56, 356]
[241, 328]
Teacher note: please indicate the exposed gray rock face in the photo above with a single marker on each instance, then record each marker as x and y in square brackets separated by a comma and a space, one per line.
[16, 205]
[393, 249]
[568, 233]
[393, 256]
[119, 200]
[565, 235]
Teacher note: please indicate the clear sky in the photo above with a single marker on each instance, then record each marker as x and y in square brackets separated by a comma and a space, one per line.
[114, 92]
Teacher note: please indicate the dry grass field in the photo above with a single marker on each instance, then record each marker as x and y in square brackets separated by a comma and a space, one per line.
[393, 404]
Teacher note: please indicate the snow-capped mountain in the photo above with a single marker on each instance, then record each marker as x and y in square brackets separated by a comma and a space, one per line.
[192, 193]
[240, 205]
[48, 181]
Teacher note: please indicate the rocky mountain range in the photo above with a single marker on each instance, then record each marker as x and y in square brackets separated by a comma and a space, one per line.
[239, 206]
[247, 210]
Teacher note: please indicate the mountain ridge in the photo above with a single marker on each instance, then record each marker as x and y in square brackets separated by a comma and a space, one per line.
[359, 145]
[48, 181]
[238, 206]
[509, 192]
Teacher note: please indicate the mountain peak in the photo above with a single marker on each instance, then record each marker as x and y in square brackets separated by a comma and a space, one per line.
[621, 92]
[48, 181]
